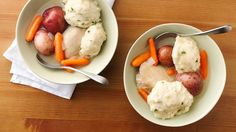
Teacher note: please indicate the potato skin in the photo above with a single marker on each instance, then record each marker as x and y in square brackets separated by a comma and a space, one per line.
[192, 81]
[165, 55]
[54, 20]
[43, 42]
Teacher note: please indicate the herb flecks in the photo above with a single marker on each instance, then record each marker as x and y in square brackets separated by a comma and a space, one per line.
[183, 52]
[196, 61]
[72, 9]
[94, 22]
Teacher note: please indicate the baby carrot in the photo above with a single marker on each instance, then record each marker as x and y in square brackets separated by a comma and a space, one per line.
[138, 60]
[142, 92]
[33, 28]
[75, 62]
[59, 54]
[203, 64]
[153, 51]
[171, 71]
[68, 70]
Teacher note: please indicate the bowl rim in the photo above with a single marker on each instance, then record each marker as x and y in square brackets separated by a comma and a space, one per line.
[115, 27]
[137, 109]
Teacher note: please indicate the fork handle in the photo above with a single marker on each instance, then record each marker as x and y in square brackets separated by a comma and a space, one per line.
[219, 30]
[95, 77]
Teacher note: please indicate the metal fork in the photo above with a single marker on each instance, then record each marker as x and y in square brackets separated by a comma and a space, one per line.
[95, 77]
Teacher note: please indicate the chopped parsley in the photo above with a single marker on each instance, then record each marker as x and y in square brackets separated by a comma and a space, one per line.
[182, 69]
[72, 9]
[155, 110]
[196, 61]
[94, 22]
[183, 52]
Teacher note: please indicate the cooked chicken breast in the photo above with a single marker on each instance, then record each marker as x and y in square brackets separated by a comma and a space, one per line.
[148, 75]
[72, 41]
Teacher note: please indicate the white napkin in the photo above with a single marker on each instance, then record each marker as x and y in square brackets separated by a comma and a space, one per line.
[22, 75]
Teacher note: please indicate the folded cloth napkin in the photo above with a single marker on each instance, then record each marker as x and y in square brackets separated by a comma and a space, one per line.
[22, 75]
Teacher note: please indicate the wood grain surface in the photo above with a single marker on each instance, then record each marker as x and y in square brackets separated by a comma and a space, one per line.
[95, 108]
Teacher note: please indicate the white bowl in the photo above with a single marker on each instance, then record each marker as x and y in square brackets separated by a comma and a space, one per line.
[213, 85]
[28, 51]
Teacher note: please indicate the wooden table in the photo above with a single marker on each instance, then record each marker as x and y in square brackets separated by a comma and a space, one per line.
[94, 108]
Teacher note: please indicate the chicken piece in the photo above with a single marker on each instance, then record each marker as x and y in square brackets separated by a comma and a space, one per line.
[72, 41]
[148, 75]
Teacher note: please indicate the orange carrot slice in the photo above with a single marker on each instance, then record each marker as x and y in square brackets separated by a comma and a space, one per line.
[153, 51]
[143, 93]
[138, 60]
[171, 71]
[68, 70]
[59, 54]
[203, 64]
[33, 28]
[75, 62]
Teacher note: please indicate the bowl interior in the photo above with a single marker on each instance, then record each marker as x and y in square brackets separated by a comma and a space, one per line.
[28, 51]
[213, 85]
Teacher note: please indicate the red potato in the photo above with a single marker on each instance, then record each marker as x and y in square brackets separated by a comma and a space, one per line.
[192, 81]
[54, 20]
[43, 42]
[164, 54]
